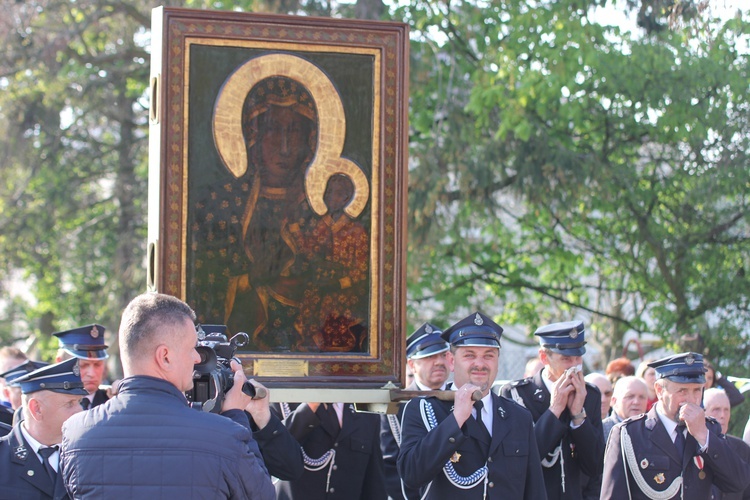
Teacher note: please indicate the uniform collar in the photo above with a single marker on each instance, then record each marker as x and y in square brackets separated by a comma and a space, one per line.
[669, 424]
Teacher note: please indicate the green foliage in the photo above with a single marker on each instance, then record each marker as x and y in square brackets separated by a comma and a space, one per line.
[563, 167]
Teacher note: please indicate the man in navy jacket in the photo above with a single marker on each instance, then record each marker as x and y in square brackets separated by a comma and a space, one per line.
[147, 442]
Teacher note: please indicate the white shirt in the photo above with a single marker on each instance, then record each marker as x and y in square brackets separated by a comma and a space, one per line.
[425, 388]
[54, 459]
[339, 407]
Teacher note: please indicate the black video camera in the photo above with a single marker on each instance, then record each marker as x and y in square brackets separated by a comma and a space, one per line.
[213, 375]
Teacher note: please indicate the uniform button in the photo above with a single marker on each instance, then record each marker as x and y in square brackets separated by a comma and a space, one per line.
[332, 490]
[491, 484]
[335, 445]
[451, 440]
[275, 432]
[335, 467]
[489, 459]
[29, 472]
[311, 426]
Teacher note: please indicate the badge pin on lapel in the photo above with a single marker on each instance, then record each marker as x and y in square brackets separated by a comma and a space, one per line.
[21, 452]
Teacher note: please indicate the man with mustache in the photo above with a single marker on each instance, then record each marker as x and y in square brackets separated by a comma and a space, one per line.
[566, 412]
[87, 344]
[674, 450]
[426, 357]
[467, 449]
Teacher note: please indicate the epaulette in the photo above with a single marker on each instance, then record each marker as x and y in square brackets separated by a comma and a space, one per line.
[522, 381]
[634, 418]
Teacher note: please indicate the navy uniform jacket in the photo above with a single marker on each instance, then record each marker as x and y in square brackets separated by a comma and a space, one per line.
[511, 454]
[390, 443]
[22, 475]
[582, 448]
[656, 462]
[100, 397]
[281, 452]
[6, 415]
[356, 470]
[743, 451]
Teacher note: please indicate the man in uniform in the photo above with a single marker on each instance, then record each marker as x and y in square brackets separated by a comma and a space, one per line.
[87, 344]
[566, 412]
[673, 451]
[11, 391]
[29, 455]
[480, 445]
[10, 357]
[426, 357]
[341, 453]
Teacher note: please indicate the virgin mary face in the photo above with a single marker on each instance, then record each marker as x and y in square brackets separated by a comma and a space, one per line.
[284, 144]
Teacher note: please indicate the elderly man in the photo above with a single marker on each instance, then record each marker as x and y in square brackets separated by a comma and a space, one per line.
[426, 357]
[29, 455]
[605, 389]
[718, 406]
[147, 442]
[673, 451]
[87, 344]
[566, 412]
[480, 445]
[629, 399]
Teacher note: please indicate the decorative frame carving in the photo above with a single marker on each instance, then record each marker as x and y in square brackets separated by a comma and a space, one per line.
[203, 191]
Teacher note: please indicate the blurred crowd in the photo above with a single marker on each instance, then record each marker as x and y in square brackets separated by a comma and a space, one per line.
[656, 429]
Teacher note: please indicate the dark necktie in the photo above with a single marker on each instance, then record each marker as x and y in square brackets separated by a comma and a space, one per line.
[332, 419]
[679, 441]
[46, 452]
[478, 405]
[85, 403]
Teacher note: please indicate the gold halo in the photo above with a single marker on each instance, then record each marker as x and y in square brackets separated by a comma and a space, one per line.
[227, 126]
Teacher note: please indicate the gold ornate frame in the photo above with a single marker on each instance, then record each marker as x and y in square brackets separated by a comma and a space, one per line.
[283, 46]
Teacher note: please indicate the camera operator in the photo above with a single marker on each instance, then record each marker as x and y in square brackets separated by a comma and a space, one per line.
[212, 379]
[147, 442]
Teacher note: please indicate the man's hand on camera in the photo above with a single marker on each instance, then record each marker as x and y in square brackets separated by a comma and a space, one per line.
[259, 409]
[235, 399]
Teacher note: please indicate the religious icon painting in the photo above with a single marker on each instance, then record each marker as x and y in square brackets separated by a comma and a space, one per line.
[277, 176]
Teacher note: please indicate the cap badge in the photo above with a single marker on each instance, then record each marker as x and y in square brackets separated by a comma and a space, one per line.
[573, 333]
[478, 320]
[76, 370]
[689, 359]
[659, 478]
[94, 333]
[644, 463]
[456, 457]
[428, 329]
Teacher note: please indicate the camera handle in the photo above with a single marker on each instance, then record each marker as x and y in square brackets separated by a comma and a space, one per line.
[254, 391]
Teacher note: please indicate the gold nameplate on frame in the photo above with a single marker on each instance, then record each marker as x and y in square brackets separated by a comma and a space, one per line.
[280, 368]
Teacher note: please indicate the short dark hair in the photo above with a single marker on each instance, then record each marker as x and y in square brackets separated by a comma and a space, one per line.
[147, 316]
